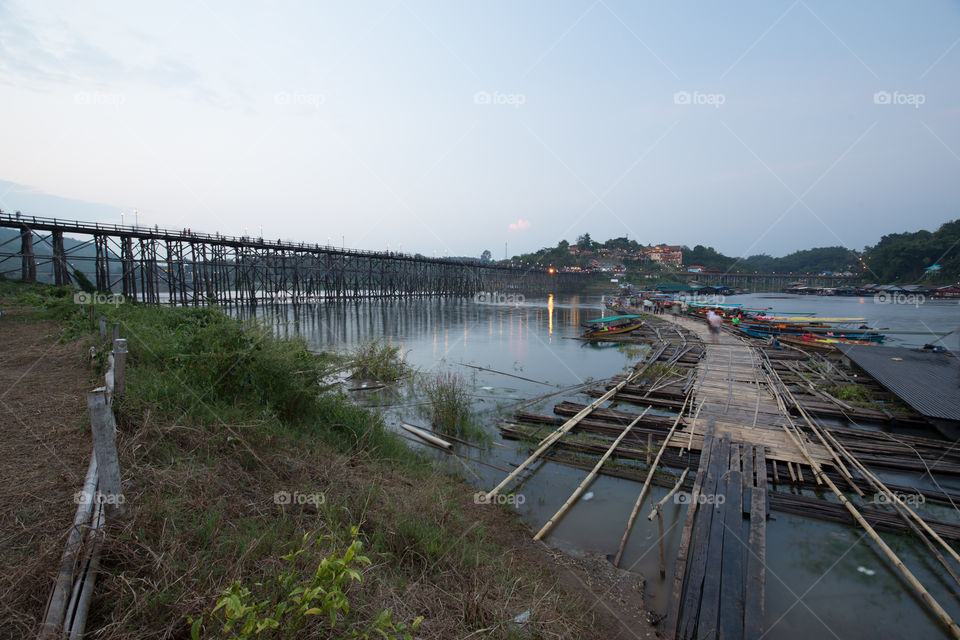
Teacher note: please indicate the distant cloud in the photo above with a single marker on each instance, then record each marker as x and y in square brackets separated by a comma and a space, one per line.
[519, 225]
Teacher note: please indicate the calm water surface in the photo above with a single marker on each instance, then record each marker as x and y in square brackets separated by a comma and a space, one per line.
[823, 580]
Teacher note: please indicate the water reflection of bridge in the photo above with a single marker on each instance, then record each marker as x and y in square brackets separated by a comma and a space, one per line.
[182, 267]
[769, 281]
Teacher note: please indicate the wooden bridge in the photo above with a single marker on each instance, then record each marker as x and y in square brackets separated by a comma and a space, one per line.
[157, 265]
[768, 281]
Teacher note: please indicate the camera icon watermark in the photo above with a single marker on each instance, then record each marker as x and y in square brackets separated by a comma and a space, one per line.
[99, 98]
[909, 499]
[515, 100]
[705, 299]
[295, 497]
[515, 499]
[715, 100]
[299, 99]
[98, 497]
[84, 297]
[492, 297]
[699, 498]
[896, 297]
[911, 99]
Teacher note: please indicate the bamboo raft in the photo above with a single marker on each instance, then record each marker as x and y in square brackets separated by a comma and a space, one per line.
[747, 414]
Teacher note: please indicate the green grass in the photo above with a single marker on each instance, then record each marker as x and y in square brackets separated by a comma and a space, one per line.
[450, 406]
[218, 415]
[377, 360]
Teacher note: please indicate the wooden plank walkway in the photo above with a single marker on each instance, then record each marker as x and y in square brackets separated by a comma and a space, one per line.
[718, 588]
[731, 390]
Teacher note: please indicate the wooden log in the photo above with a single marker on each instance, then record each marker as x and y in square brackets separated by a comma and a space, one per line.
[756, 577]
[696, 569]
[56, 606]
[709, 617]
[730, 624]
[103, 428]
[77, 621]
[586, 481]
[672, 618]
[429, 437]
[119, 365]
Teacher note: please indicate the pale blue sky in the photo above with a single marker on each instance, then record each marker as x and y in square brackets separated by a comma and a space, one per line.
[437, 125]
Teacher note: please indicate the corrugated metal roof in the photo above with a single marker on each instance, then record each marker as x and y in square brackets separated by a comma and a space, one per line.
[927, 381]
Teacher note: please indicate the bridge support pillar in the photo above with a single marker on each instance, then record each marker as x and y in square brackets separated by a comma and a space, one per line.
[28, 262]
[61, 272]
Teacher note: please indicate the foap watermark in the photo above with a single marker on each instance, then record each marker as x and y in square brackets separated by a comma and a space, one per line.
[299, 99]
[704, 299]
[699, 498]
[84, 297]
[515, 499]
[99, 98]
[909, 499]
[98, 497]
[897, 297]
[495, 297]
[295, 497]
[895, 97]
[515, 100]
[714, 100]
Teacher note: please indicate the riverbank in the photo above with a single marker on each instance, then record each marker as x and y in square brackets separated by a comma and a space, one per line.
[221, 418]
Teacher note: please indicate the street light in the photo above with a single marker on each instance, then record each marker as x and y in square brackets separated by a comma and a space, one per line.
[136, 217]
[121, 218]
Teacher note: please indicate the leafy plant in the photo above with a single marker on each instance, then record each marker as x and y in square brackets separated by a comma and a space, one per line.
[241, 615]
[449, 407]
[377, 360]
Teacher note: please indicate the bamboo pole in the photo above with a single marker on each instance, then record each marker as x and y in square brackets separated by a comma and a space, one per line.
[643, 492]
[547, 442]
[586, 481]
[657, 507]
[904, 571]
[693, 426]
[890, 494]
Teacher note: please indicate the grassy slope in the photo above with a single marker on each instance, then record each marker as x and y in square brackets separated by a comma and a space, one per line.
[218, 417]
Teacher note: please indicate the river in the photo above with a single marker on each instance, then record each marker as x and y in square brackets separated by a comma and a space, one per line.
[823, 580]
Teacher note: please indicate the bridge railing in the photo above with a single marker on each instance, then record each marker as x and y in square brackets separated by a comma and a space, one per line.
[14, 220]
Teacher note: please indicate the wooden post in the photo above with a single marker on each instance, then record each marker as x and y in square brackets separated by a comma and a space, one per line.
[103, 328]
[116, 330]
[53, 616]
[663, 569]
[104, 430]
[649, 447]
[119, 365]
[643, 490]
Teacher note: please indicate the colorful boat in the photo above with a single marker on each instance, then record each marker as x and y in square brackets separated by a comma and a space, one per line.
[611, 326]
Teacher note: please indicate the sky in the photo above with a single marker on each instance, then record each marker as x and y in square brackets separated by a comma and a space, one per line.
[448, 127]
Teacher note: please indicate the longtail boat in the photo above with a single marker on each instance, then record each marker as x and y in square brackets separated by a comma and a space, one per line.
[613, 325]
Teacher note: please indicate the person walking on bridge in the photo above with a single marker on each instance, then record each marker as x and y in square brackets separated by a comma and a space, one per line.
[714, 321]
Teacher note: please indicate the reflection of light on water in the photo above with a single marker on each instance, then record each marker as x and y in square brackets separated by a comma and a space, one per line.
[550, 313]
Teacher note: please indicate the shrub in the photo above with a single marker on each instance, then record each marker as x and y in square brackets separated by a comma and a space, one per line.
[377, 360]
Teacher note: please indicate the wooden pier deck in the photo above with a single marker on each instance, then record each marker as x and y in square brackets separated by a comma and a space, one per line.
[718, 583]
[732, 390]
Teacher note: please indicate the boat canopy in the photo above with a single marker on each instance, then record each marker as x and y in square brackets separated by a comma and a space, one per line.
[716, 305]
[811, 319]
[613, 319]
